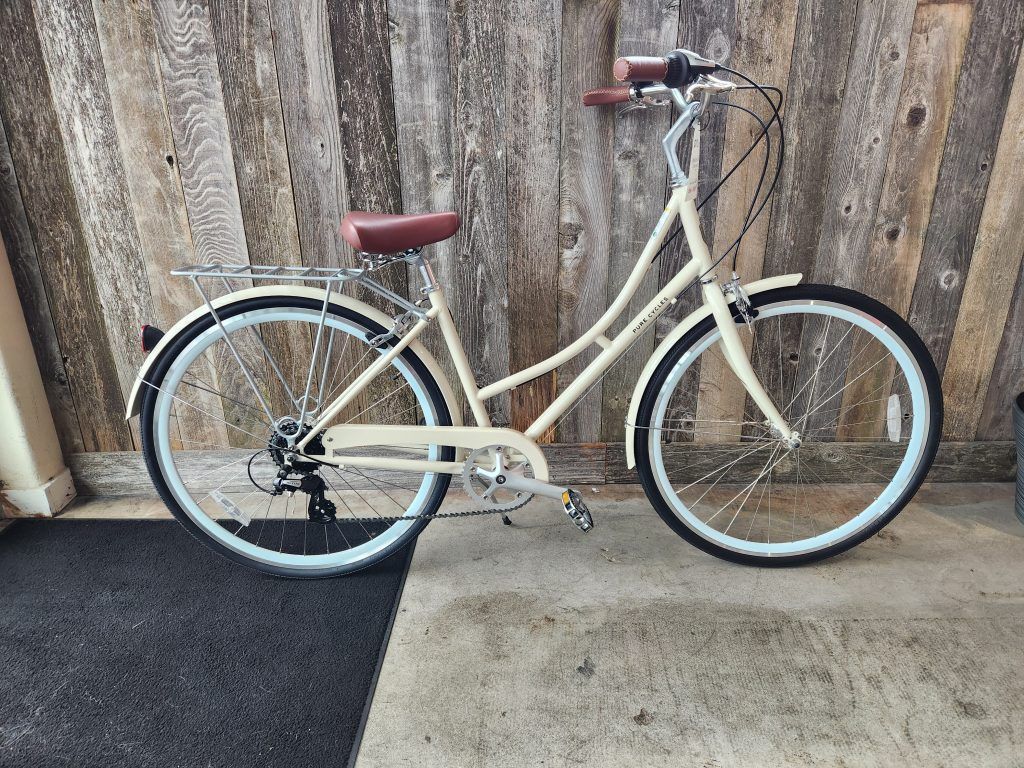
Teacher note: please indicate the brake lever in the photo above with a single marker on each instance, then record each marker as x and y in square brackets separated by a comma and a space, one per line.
[642, 103]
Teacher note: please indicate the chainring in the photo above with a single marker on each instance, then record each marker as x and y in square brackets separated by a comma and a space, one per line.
[484, 475]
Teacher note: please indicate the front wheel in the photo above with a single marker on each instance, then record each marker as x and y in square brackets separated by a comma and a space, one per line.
[847, 373]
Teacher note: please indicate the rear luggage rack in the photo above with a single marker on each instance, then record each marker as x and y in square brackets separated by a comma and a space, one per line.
[256, 272]
[331, 277]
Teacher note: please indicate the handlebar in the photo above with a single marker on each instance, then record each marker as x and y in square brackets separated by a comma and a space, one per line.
[677, 69]
[613, 94]
[640, 69]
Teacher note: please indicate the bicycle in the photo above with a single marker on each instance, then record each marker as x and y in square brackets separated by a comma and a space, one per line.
[296, 390]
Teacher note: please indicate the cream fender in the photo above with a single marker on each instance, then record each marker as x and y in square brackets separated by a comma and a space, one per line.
[317, 294]
[688, 322]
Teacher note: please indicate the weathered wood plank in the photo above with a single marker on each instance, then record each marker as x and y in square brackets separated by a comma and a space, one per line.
[878, 60]
[132, 69]
[21, 252]
[588, 51]
[252, 102]
[362, 79]
[362, 70]
[71, 50]
[305, 73]
[309, 103]
[996, 422]
[532, 133]
[763, 52]
[577, 465]
[55, 223]
[993, 49]
[708, 27]
[130, 63]
[992, 462]
[813, 100]
[988, 290]
[934, 57]
[480, 291]
[571, 464]
[638, 186]
[419, 50]
[195, 107]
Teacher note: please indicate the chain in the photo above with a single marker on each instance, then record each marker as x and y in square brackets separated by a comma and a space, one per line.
[435, 515]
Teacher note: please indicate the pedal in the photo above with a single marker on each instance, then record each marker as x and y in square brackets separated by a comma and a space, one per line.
[577, 510]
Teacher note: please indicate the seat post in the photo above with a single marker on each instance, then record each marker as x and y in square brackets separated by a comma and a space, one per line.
[421, 262]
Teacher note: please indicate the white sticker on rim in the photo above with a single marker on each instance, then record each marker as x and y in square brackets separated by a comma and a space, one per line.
[894, 418]
[230, 507]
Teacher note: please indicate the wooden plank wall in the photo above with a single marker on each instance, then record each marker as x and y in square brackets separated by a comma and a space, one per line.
[139, 136]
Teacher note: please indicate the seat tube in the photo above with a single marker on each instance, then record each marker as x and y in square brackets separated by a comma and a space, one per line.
[457, 352]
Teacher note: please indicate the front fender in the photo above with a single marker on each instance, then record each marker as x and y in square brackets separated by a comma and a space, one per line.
[688, 322]
[317, 294]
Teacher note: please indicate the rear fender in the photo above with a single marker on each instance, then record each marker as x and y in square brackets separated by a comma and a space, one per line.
[317, 294]
[758, 286]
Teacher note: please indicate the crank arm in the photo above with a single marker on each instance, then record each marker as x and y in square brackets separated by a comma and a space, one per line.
[533, 486]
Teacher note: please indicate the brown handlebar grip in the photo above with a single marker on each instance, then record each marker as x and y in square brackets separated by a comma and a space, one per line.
[640, 69]
[613, 94]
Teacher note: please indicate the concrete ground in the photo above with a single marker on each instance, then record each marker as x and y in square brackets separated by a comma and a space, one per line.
[536, 645]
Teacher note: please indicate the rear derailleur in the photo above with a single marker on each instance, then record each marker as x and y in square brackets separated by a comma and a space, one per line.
[308, 480]
[319, 509]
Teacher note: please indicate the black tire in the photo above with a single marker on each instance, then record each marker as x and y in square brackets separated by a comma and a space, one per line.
[830, 293]
[159, 371]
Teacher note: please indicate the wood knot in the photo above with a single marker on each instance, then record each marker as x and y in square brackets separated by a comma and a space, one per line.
[569, 234]
[916, 115]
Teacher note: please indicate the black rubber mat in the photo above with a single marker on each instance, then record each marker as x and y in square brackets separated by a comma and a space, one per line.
[129, 643]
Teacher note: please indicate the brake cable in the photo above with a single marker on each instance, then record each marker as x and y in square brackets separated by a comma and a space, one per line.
[765, 128]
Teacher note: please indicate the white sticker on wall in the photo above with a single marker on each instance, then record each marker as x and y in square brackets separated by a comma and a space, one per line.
[230, 507]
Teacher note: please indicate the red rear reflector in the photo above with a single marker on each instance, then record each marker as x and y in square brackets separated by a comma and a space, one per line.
[151, 336]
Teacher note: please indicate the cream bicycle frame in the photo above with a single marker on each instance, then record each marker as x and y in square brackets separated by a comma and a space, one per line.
[680, 204]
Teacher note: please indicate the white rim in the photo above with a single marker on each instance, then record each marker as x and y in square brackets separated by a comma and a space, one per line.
[165, 455]
[881, 505]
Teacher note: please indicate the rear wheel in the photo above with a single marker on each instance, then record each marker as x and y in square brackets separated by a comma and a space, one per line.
[847, 373]
[217, 457]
